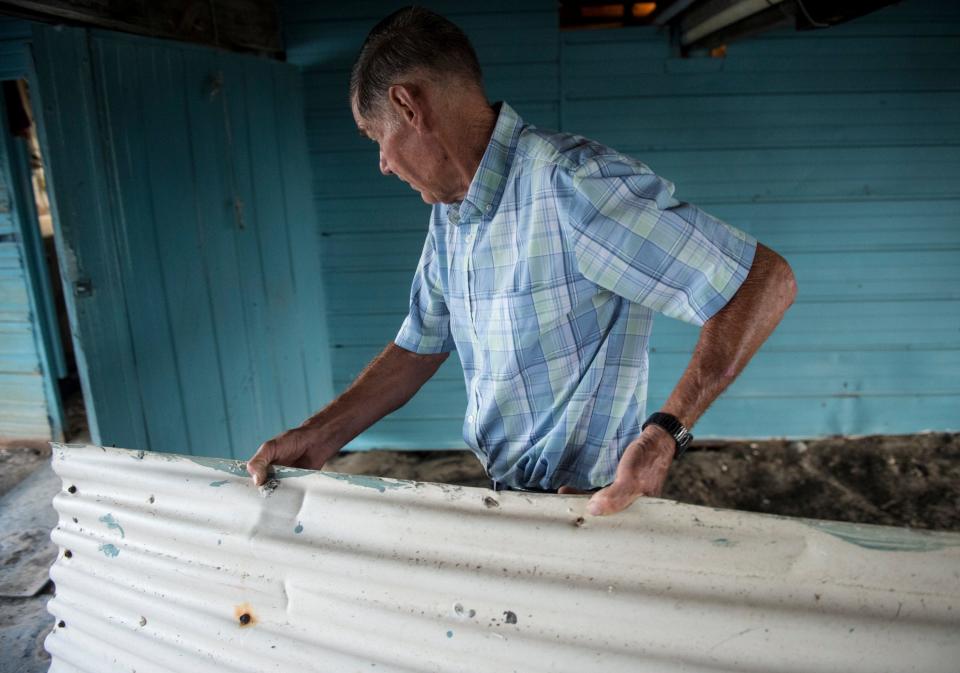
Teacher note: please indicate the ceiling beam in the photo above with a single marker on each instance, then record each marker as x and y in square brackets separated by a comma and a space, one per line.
[238, 25]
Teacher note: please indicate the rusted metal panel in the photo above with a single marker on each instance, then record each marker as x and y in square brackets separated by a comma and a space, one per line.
[172, 563]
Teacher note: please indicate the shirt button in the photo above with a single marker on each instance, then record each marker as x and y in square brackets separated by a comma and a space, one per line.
[489, 208]
[471, 418]
[469, 237]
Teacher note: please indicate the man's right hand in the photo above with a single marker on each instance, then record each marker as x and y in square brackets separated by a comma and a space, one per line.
[304, 446]
[384, 386]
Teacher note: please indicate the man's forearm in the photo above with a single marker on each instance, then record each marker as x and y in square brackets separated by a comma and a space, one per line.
[731, 337]
[727, 342]
[385, 385]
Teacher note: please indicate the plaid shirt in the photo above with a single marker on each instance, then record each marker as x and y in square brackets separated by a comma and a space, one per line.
[545, 280]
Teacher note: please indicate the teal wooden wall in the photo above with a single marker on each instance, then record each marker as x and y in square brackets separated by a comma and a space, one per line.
[841, 150]
[14, 48]
[838, 148]
[29, 400]
[181, 193]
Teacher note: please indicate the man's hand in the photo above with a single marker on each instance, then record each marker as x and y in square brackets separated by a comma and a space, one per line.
[642, 471]
[384, 386]
[305, 447]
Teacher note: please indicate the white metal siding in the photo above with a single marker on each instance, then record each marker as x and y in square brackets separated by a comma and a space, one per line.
[344, 573]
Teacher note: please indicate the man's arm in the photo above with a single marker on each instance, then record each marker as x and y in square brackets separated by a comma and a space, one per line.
[387, 383]
[727, 342]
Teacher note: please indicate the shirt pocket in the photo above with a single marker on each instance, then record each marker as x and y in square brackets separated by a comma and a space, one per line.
[514, 320]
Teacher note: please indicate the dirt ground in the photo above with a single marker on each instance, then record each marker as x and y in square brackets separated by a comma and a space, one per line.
[894, 480]
[16, 462]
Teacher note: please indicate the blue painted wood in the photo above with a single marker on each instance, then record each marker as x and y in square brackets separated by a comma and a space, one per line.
[14, 48]
[35, 258]
[85, 225]
[839, 148]
[29, 406]
[29, 339]
[205, 212]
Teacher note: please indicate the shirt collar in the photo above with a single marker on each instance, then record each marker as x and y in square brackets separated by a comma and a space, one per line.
[488, 184]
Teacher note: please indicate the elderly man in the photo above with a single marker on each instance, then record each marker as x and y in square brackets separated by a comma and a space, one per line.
[546, 257]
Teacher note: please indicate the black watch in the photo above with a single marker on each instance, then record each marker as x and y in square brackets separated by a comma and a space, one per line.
[674, 427]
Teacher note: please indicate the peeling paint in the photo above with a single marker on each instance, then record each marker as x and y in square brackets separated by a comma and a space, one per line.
[218, 484]
[109, 550]
[112, 524]
[723, 542]
[238, 468]
[299, 528]
[365, 481]
[882, 538]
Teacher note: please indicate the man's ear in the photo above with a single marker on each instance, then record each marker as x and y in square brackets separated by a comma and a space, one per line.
[409, 104]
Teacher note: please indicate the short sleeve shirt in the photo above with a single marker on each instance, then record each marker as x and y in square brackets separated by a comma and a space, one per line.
[545, 280]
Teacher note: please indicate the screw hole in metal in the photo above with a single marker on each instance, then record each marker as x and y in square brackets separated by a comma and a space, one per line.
[244, 619]
[72, 489]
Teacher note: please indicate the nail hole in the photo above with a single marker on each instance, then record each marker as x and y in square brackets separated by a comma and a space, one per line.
[490, 502]
[68, 554]
[579, 521]
[244, 619]
[62, 624]
[72, 489]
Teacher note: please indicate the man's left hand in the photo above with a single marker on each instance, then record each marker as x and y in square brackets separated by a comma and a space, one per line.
[642, 471]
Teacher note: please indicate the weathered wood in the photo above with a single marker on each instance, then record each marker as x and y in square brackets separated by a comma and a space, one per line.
[240, 25]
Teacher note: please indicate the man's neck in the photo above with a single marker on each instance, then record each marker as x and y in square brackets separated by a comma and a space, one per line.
[466, 142]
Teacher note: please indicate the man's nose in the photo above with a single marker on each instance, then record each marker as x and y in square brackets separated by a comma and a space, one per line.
[383, 166]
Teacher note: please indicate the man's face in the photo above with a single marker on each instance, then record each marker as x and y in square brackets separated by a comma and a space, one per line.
[415, 157]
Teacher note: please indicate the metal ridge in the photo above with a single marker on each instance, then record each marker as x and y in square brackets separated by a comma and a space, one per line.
[178, 563]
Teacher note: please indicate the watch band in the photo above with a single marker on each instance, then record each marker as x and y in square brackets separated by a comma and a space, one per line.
[674, 427]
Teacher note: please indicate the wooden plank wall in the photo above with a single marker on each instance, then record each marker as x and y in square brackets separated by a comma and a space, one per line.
[840, 148]
[14, 45]
[240, 25]
[182, 192]
[25, 405]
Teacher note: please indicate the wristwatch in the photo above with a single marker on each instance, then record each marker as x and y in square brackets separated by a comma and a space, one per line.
[674, 427]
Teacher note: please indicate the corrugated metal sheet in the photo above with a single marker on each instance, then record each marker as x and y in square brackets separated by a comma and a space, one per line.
[182, 188]
[172, 563]
[837, 147]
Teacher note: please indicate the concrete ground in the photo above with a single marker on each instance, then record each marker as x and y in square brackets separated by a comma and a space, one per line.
[26, 553]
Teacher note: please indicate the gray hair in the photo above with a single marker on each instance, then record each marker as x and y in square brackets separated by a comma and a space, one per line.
[411, 38]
